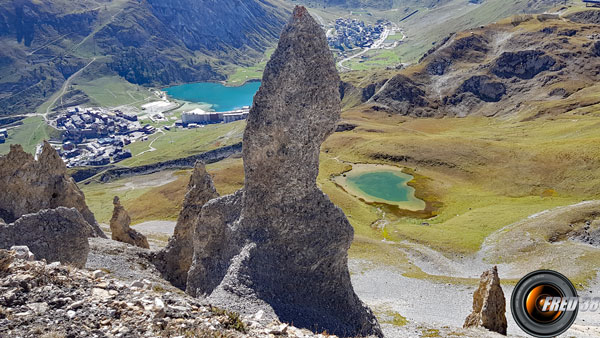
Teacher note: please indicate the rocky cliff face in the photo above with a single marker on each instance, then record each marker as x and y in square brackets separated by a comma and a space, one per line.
[56, 235]
[175, 260]
[280, 245]
[489, 305]
[120, 230]
[30, 185]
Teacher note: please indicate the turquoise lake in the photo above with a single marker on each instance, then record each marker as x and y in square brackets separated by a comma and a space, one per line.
[384, 185]
[222, 98]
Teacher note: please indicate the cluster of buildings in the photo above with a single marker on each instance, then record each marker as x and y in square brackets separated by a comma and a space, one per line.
[198, 117]
[94, 136]
[351, 33]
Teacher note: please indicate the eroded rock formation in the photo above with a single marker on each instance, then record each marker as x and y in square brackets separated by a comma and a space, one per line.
[56, 235]
[279, 244]
[489, 305]
[29, 186]
[175, 260]
[522, 64]
[119, 227]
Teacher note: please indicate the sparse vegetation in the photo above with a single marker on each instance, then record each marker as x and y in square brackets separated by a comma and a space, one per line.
[233, 322]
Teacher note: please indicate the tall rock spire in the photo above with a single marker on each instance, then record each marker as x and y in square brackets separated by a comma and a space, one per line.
[175, 260]
[280, 245]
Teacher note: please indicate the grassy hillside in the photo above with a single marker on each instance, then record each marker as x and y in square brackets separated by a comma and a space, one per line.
[32, 132]
[176, 143]
[431, 22]
[158, 196]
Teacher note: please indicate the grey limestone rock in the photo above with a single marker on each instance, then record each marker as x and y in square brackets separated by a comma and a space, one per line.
[119, 227]
[175, 260]
[279, 244]
[30, 185]
[489, 305]
[56, 235]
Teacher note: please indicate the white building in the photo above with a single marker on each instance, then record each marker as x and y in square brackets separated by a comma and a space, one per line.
[235, 116]
[200, 116]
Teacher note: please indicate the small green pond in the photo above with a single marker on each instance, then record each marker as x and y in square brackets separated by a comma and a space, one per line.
[381, 184]
[386, 185]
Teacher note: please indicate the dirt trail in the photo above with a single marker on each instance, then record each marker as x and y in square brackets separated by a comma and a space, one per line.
[64, 89]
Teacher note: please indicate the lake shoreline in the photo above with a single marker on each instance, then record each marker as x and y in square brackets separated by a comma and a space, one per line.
[217, 95]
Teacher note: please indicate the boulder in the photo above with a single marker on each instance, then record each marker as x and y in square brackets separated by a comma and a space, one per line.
[22, 252]
[56, 235]
[489, 305]
[119, 227]
[175, 260]
[29, 186]
[280, 245]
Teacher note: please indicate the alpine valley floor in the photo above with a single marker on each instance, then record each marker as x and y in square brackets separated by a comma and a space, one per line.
[487, 183]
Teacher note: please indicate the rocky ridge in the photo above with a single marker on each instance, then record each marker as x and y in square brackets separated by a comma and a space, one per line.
[534, 65]
[30, 185]
[175, 260]
[280, 245]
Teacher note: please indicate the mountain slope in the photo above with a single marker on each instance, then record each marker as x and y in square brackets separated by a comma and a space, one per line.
[379, 4]
[146, 42]
[527, 65]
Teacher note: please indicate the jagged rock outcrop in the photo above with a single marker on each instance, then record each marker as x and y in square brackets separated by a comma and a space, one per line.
[56, 235]
[522, 64]
[489, 305]
[494, 70]
[29, 186]
[402, 95]
[119, 227]
[472, 48]
[175, 260]
[279, 244]
[589, 17]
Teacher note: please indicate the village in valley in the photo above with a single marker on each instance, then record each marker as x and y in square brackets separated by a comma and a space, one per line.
[99, 136]
[351, 33]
